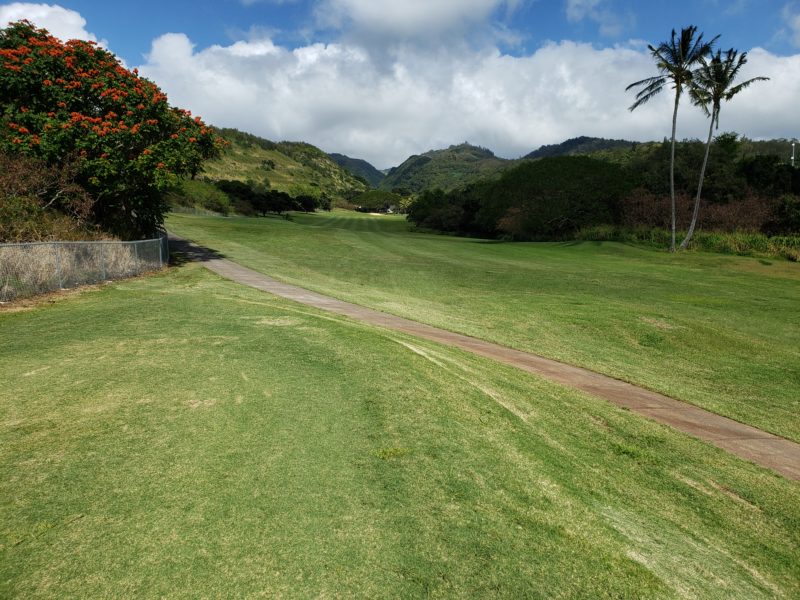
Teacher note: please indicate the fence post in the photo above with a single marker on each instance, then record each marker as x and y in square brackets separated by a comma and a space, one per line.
[103, 261]
[58, 267]
[136, 256]
[160, 253]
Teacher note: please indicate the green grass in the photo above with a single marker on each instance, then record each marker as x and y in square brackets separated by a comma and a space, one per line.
[183, 436]
[247, 162]
[720, 332]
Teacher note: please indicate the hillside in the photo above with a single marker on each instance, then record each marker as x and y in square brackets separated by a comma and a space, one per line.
[579, 145]
[359, 168]
[446, 169]
[292, 167]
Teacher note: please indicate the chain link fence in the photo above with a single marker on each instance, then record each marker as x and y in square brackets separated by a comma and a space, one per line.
[30, 269]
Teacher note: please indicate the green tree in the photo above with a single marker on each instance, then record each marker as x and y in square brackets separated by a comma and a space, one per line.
[711, 85]
[675, 61]
[65, 102]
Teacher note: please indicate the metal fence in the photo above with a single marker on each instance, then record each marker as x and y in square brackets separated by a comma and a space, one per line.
[35, 268]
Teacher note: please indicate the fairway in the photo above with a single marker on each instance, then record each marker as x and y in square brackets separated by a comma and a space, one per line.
[717, 331]
[184, 436]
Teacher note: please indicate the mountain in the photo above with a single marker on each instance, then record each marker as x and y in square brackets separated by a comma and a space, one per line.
[359, 168]
[292, 167]
[579, 145]
[446, 169]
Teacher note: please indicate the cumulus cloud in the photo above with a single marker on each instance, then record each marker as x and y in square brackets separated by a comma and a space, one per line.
[63, 23]
[407, 18]
[410, 97]
[339, 97]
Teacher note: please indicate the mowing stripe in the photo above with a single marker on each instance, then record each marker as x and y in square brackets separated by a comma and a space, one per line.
[747, 442]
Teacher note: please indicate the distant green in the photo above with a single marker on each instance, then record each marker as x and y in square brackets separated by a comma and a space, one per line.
[182, 436]
[721, 332]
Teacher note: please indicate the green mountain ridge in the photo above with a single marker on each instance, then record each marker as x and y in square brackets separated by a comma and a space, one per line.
[579, 145]
[297, 168]
[447, 169]
[359, 168]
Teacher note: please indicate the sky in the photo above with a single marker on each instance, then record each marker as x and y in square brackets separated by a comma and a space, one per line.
[384, 79]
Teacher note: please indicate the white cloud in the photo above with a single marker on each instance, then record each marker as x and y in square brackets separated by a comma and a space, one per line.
[407, 18]
[383, 106]
[63, 23]
[611, 24]
[339, 97]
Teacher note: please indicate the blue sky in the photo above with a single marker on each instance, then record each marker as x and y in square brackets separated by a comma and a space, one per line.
[382, 79]
[130, 26]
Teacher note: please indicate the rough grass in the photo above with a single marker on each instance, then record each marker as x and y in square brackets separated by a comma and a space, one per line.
[718, 331]
[182, 436]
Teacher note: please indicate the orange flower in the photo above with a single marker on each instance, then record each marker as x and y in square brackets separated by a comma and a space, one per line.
[147, 151]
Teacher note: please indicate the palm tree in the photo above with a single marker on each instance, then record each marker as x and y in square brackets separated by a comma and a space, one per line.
[713, 83]
[675, 61]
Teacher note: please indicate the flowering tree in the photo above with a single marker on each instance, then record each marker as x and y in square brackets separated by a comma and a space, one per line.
[74, 102]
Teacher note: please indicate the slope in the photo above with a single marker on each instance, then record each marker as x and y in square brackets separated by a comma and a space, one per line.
[359, 168]
[292, 167]
[446, 169]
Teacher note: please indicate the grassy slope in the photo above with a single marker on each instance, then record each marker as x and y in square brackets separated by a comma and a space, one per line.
[183, 436]
[718, 331]
[446, 169]
[245, 162]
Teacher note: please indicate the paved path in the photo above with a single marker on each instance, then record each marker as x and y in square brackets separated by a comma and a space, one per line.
[768, 450]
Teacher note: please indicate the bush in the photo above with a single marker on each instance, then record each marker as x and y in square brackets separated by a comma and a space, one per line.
[39, 202]
[203, 195]
[75, 101]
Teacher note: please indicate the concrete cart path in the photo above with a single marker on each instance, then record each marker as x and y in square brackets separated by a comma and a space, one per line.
[765, 449]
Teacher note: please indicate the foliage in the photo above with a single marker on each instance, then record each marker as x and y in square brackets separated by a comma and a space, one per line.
[359, 168]
[675, 60]
[579, 145]
[712, 83]
[249, 198]
[446, 169]
[75, 101]
[377, 201]
[294, 168]
[40, 202]
[740, 243]
[195, 193]
[544, 199]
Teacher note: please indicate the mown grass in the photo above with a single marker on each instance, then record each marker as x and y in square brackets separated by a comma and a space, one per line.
[183, 436]
[721, 332]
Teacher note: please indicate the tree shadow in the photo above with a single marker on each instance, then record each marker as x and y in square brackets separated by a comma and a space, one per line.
[183, 251]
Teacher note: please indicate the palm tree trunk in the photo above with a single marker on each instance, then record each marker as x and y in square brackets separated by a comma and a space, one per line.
[690, 233]
[672, 166]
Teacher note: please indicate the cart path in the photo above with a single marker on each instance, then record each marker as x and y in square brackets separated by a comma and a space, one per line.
[763, 448]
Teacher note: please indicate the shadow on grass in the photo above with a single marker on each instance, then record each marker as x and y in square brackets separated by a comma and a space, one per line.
[183, 251]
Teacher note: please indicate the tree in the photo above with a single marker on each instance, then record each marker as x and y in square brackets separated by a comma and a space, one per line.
[73, 101]
[675, 60]
[712, 83]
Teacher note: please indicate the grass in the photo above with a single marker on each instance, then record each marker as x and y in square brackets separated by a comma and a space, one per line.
[721, 332]
[183, 436]
[248, 162]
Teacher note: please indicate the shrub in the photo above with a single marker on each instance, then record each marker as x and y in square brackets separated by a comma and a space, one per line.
[200, 194]
[74, 99]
